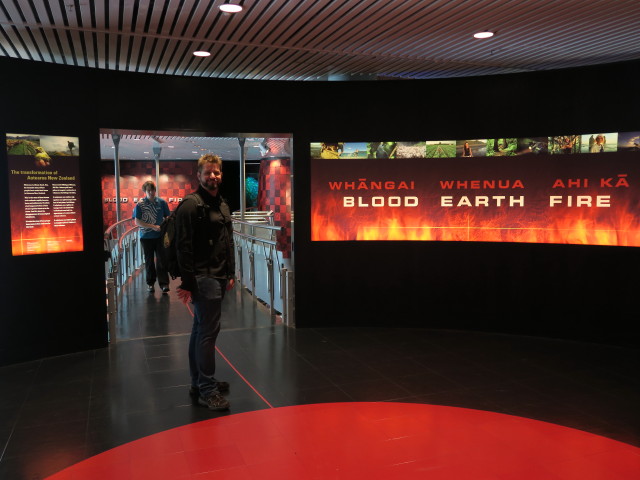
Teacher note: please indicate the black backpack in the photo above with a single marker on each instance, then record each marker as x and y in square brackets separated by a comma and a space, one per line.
[168, 235]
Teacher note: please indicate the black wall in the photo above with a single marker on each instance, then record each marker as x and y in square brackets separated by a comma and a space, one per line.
[561, 291]
[53, 304]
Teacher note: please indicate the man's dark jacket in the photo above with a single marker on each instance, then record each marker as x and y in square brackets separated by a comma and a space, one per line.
[204, 239]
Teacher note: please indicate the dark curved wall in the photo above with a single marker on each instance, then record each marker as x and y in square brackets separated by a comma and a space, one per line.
[53, 304]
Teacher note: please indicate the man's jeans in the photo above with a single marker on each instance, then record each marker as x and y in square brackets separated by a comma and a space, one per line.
[207, 308]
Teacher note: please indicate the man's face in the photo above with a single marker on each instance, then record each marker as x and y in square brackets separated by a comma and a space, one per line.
[210, 177]
[150, 193]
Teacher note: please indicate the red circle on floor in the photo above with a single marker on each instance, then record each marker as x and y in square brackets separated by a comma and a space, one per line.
[365, 441]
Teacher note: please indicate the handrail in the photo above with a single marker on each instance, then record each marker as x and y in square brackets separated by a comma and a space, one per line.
[256, 239]
[125, 235]
[253, 216]
[126, 255]
[123, 260]
[110, 229]
[266, 227]
[264, 213]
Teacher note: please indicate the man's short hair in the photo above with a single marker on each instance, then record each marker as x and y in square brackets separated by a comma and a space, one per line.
[148, 185]
[208, 158]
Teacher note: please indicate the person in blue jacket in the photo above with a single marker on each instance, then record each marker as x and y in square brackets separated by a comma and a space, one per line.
[149, 214]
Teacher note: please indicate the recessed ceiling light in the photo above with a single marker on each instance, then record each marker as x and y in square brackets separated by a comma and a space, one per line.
[230, 8]
[483, 35]
[201, 54]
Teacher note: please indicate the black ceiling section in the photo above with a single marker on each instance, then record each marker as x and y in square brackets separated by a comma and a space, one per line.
[322, 39]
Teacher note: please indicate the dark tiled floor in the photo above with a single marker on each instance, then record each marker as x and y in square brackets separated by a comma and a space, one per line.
[57, 411]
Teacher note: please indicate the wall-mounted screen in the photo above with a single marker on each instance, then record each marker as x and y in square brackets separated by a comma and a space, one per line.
[44, 194]
[570, 189]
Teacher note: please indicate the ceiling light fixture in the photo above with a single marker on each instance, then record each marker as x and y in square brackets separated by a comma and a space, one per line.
[485, 34]
[230, 8]
[201, 53]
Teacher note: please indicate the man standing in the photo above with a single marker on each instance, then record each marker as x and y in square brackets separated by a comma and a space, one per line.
[149, 214]
[204, 244]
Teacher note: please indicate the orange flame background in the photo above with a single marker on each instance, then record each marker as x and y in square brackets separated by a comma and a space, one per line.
[536, 222]
[47, 239]
[578, 226]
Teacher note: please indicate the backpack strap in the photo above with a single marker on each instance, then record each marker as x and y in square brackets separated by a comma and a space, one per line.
[201, 207]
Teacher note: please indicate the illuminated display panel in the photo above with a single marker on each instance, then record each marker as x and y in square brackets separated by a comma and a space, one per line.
[44, 194]
[571, 189]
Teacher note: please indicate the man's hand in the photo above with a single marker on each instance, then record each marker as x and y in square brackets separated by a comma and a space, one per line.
[184, 295]
[230, 283]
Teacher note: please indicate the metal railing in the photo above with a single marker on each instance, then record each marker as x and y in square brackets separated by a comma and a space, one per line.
[124, 258]
[258, 260]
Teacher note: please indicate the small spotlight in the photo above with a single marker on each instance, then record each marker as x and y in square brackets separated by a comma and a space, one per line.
[230, 8]
[483, 35]
[201, 54]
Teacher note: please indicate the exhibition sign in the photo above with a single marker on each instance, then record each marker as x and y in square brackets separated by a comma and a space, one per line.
[44, 194]
[573, 189]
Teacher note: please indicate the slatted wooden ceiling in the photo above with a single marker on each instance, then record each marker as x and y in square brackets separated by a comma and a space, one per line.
[322, 39]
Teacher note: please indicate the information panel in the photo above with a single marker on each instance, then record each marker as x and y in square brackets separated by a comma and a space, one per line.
[44, 194]
[572, 189]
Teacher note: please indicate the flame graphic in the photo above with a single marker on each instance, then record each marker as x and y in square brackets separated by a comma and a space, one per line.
[47, 239]
[613, 226]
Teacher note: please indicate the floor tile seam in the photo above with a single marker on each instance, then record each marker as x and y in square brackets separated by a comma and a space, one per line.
[50, 424]
[593, 419]
[344, 392]
[568, 369]
[185, 334]
[604, 377]
[351, 354]
[420, 398]
[178, 355]
[496, 370]
[522, 382]
[257, 366]
[389, 378]
[91, 401]
[432, 372]
[491, 398]
[444, 390]
[148, 337]
[335, 384]
[20, 410]
[391, 381]
[148, 410]
[328, 339]
[572, 396]
[603, 416]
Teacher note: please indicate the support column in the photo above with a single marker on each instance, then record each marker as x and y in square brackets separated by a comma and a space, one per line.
[243, 180]
[115, 137]
[157, 149]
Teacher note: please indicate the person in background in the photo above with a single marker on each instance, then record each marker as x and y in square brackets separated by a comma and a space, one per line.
[598, 145]
[149, 214]
[205, 253]
[466, 150]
